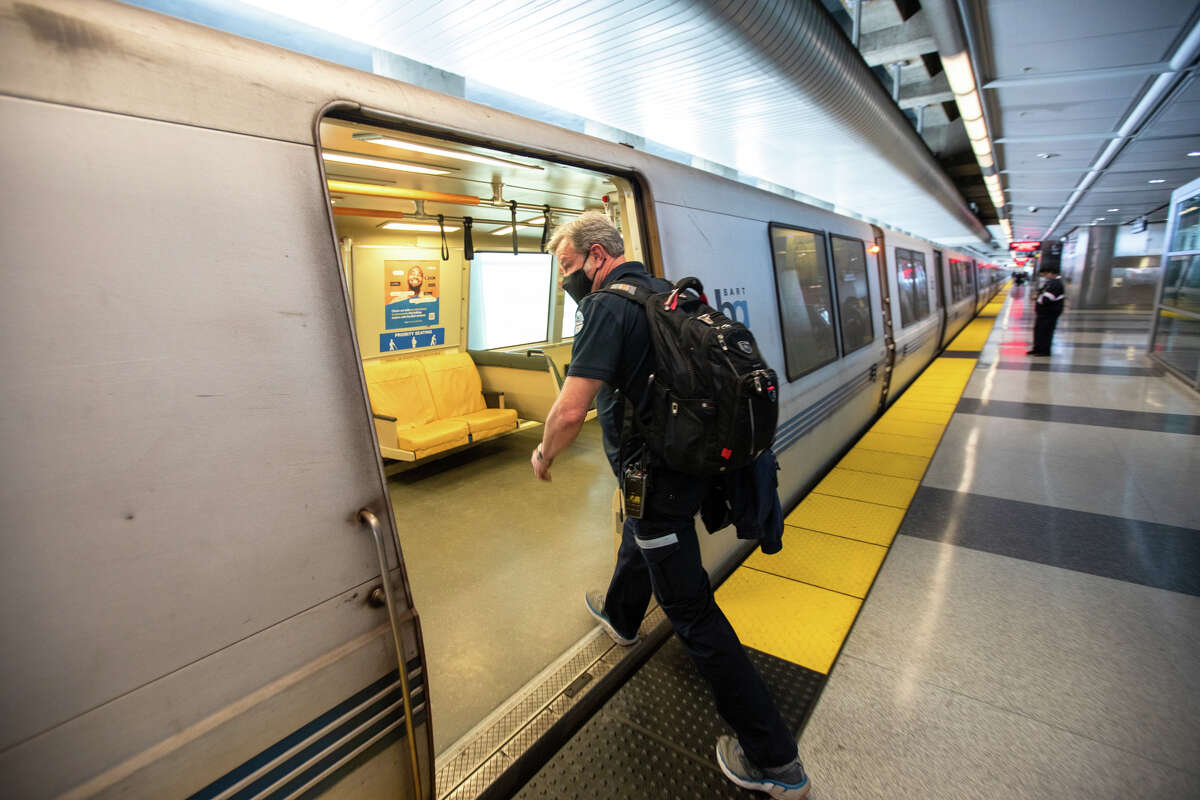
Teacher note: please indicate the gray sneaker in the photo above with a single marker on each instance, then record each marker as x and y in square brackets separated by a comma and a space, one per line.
[787, 782]
[594, 600]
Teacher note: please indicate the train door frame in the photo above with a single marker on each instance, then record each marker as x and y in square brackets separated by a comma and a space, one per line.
[885, 300]
[943, 305]
[638, 215]
[423, 779]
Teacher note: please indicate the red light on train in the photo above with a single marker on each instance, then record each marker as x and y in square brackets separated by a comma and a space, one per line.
[1024, 247]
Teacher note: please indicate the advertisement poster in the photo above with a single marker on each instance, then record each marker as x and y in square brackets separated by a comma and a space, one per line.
[410, 294]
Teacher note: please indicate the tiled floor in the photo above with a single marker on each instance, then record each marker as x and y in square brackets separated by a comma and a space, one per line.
[1035, 630]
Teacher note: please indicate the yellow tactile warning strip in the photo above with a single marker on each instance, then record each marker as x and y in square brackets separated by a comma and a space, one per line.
[799, 604]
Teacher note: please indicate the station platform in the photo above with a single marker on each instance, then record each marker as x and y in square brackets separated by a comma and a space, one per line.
[996, 592]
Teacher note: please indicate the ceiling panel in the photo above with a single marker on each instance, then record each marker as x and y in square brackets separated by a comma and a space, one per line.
[1059, 95]
[1119, 49]
[1046, 21]
[1074, 155]
[1029, 38]
[1056, 179]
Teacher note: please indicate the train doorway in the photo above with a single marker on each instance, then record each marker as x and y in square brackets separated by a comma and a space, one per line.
[465, 336]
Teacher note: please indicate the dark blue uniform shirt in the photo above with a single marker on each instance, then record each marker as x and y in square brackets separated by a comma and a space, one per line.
[612, 344]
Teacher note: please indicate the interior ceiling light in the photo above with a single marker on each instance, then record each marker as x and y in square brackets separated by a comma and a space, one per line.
[359, 187]
[1114, 209]
[1047, 155]
[1194, 154]
[1158, 180]
[417, 226]
[382, 163]
[401, 144]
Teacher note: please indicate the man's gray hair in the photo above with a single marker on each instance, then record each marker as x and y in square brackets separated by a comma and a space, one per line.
[589, 228]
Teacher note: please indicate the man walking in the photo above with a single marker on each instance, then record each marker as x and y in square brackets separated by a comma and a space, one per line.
[611, 362]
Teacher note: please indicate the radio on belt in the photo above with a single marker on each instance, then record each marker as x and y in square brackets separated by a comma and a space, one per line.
[633, 490]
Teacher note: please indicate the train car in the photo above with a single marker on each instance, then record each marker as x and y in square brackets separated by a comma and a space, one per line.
[278, 339]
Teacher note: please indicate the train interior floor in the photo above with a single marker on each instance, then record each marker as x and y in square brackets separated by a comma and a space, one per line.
[498, 581]
[995, 593]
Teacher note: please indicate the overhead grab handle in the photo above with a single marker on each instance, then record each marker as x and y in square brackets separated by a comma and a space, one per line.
[513, 208]
[468, 241]
[545, 225]
[445, 245]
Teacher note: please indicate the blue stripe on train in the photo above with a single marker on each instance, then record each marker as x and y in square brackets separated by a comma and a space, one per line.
[291, 740]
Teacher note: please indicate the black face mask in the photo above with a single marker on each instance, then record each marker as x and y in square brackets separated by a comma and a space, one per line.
[578, 284]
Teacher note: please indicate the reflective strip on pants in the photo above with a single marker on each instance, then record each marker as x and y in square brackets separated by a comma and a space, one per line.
[661, 541]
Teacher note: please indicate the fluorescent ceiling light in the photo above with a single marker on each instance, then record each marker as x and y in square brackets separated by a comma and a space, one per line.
[968, 105]
[529, 223]
[1194, 154]
[1158, 180]
[1114, 209]
[982, 147]
[401, 144]
[416, 226]
[382, 163]
[976, 129]
[958, 73]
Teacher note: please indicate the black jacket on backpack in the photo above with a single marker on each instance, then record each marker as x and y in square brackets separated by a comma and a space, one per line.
[748, 499]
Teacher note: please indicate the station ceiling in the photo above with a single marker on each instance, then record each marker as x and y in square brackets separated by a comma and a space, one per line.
[1057, 81]
[1060, 79]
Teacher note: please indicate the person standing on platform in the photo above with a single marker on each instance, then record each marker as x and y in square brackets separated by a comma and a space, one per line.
[611, 362]
[1047, 306]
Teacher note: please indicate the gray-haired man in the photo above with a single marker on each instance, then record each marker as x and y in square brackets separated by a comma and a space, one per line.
[659, 553]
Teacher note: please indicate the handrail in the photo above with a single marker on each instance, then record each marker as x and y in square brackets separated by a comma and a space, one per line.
[377, 534]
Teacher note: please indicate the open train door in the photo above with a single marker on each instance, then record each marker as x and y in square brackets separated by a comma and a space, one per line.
[194, 515]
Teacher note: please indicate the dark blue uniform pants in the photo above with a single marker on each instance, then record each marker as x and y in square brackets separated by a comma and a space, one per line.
[1043, 331]
[660, 553]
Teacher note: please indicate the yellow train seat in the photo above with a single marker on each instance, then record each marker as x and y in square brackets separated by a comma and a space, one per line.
[458, 394]
[406, 416]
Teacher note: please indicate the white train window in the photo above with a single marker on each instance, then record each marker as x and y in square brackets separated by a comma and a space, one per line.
[511, 295]
[853, 292]
[805, 300]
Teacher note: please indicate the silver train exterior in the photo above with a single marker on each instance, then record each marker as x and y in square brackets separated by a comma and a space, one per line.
[187, 441]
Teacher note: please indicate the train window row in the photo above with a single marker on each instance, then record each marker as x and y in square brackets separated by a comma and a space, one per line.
[816, 305]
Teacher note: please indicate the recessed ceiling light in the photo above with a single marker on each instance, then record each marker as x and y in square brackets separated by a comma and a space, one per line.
[1159, 180]
[1047, 155]
[416, 226]
[1114, 209]
[382, 163]
[404, 144]
[1194, 154]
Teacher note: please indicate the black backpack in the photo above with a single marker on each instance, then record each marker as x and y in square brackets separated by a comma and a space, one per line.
[711, 403]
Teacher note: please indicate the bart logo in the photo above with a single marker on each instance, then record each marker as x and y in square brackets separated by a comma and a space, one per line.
[736, 310]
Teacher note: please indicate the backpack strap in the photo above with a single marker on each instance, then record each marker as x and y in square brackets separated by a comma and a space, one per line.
[630, 291]
[637, 293]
